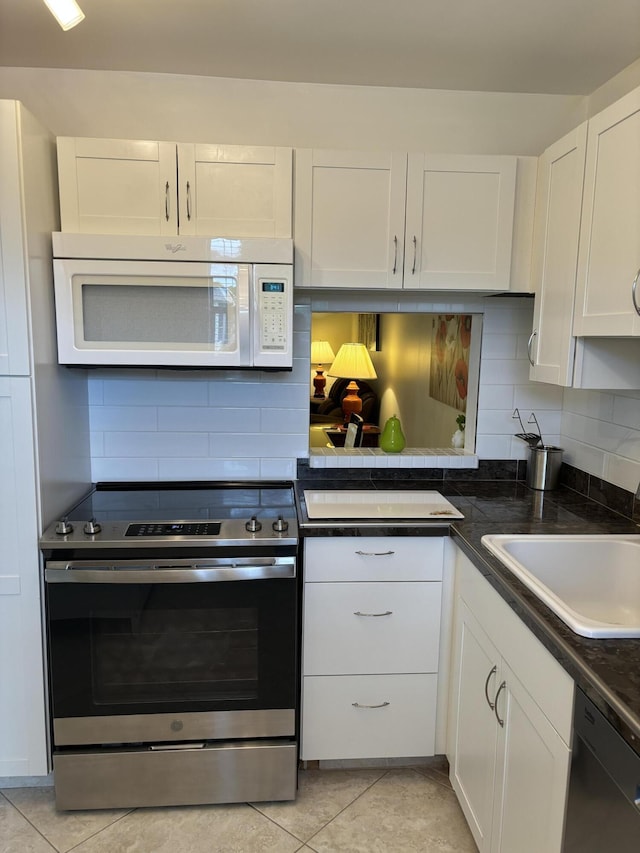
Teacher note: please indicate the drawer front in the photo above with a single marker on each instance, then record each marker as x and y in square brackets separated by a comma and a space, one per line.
[360, 628]
[333, 727]
[373, 558]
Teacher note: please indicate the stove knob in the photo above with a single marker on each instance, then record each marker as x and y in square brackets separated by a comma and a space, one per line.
[92, 527]
[253, 525]
[63, 527]
[280, 525]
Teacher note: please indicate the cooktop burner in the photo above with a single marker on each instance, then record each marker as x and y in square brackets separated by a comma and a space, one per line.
[131, 514]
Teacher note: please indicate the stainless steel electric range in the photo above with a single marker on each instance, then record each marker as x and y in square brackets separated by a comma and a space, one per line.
[172, 624]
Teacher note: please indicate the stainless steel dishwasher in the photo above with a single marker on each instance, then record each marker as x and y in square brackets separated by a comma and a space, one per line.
[603, 805]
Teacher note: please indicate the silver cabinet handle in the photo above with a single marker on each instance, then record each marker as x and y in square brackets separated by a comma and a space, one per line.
[188, 201]
[533, 335]
[395, 253]
[486, 687]
[386, 613]
[375, 553]
[415, 255]
[381, 705]
[634, 287]
[166, 201]
[495, 703]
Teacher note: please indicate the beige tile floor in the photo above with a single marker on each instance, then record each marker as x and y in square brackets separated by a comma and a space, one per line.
[381, 810]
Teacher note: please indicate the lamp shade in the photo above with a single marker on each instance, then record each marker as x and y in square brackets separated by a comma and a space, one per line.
[353, 362]
[321, 352]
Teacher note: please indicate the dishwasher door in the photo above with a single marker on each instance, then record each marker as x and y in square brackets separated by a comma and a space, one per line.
[603, 805]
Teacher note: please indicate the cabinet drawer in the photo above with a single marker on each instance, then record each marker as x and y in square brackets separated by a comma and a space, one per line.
[373, 558]
[344, 631]
[333, 727]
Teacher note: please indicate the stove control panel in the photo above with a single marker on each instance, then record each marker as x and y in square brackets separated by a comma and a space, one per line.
[203, 528]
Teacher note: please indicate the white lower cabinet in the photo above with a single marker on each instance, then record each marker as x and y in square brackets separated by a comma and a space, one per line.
[371, 640]
[509, 730]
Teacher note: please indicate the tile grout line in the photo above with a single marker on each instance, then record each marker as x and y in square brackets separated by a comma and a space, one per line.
[32, 825]
[348, 806]
[95, 834]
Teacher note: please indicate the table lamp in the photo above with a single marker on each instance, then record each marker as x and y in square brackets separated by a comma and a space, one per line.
[321, 353]
[352, 362]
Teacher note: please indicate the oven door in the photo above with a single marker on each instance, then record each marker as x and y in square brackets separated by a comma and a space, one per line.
[166, 313]
[172, 650]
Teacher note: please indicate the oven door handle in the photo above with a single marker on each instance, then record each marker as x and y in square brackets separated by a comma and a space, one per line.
[110, 571]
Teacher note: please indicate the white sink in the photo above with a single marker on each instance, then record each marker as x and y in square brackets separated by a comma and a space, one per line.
[591, 582]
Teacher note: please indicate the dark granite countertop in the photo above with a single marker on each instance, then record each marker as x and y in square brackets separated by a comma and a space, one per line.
[607, 670]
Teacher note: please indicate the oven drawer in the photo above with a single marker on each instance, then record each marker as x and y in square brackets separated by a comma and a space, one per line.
[368, 716]
[373, 558]
[210, 773]
[371, 628]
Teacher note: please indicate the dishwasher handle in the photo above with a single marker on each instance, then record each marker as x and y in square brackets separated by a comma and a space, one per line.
[169, 571]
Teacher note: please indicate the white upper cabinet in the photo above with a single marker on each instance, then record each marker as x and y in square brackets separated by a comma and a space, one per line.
[235, 190]
[608, 287]
[15, 357]
[459, 225]
[555, 255]
[349, 219]
[117, 186]
[392, 220]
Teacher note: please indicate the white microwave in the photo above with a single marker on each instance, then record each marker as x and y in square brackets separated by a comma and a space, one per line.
[189, 303]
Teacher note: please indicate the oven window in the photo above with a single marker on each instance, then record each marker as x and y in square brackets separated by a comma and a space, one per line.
[146, 648]
[159, 655]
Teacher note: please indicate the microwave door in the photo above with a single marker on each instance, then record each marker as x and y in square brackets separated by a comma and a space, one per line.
[163, 314]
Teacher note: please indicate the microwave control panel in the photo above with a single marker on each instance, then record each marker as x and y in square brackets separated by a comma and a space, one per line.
[274, 317]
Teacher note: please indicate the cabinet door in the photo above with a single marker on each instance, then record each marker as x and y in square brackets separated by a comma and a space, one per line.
[558, 208]
[531, 775]
[117, 186]
[459, 222]
[349, 219]
[609, 255]
[14, 327]
[234, 190]
[475, 725]
[23, 740]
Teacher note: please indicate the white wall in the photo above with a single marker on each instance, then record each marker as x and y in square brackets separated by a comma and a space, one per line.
[209, 109]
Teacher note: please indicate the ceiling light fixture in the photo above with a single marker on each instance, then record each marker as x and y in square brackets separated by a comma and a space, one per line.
[66, 12]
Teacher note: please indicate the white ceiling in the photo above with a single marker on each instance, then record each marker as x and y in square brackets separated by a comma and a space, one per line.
[546, 46]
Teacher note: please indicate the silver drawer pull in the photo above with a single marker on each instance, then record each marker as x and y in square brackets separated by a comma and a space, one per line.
[375, 553]
[634, 298]
[381, 705]
[386, 613]
[486, 687]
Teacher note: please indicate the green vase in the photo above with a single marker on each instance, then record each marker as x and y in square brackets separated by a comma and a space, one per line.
[392, 439]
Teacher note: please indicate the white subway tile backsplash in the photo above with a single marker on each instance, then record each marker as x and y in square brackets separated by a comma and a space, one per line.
[622, 471]
[112, 468]
[208, 419]
[626, 412]
[589, 459]
[155, 392]
[123, 418]
[536, 396]
[276, 421]
[278, 469]
[496, 397]
[499, 346]
[504, 372]
[493, 446]
[208, 469]
[257, 445]
[592, 404]
[95, 391]
[156, 444]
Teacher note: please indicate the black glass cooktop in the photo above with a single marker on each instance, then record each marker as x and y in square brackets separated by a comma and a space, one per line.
[181, 502]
